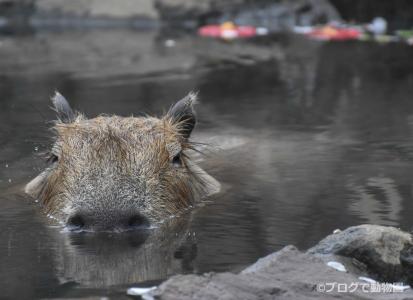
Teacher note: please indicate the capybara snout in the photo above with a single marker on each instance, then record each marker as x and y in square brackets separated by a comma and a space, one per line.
[120, 173]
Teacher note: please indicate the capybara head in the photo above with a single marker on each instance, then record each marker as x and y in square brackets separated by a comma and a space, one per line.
[120, 173]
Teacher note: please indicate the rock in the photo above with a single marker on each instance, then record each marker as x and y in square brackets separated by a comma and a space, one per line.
[13, 7]
[286, 274]
[98, 8]
[305, 12]
[385, 251]
[283, 15]
[184, 9]
[277, 16]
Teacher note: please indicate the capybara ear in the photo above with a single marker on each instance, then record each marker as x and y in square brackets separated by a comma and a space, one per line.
[64, 112]
[183, 114]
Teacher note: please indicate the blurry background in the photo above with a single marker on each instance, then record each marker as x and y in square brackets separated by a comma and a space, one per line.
[39, 13]
[309, 118]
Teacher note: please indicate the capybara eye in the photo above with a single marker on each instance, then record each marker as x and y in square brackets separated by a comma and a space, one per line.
[176, 161]
[53, 158]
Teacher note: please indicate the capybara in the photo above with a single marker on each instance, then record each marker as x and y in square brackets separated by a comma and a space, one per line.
[113, 173]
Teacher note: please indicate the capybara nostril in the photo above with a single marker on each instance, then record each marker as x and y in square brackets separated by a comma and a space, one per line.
[136, 221]
[76, 222]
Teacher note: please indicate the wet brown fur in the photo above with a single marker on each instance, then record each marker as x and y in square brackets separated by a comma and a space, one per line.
[118, 140]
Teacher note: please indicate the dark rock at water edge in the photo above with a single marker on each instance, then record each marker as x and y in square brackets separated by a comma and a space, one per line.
[384, 251]
[291, 274]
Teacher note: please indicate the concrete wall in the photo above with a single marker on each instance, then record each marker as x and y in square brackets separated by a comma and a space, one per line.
[98, 8]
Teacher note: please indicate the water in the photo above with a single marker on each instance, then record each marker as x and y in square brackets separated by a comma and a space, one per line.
[306, 137]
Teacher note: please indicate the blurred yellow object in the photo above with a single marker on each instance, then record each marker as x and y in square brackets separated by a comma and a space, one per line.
[329, 31]
[228, 26]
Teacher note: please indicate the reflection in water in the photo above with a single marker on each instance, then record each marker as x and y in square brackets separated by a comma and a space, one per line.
[102, 260]
[378, 202]
[309, 138]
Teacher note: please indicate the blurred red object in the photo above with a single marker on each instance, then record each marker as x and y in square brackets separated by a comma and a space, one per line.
[335, 33]
[227, 30]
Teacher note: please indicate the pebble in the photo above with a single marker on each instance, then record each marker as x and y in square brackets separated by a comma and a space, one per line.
[336, 265]
[138, 291]
[366, 279]
[170, 43]
[395, 287]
